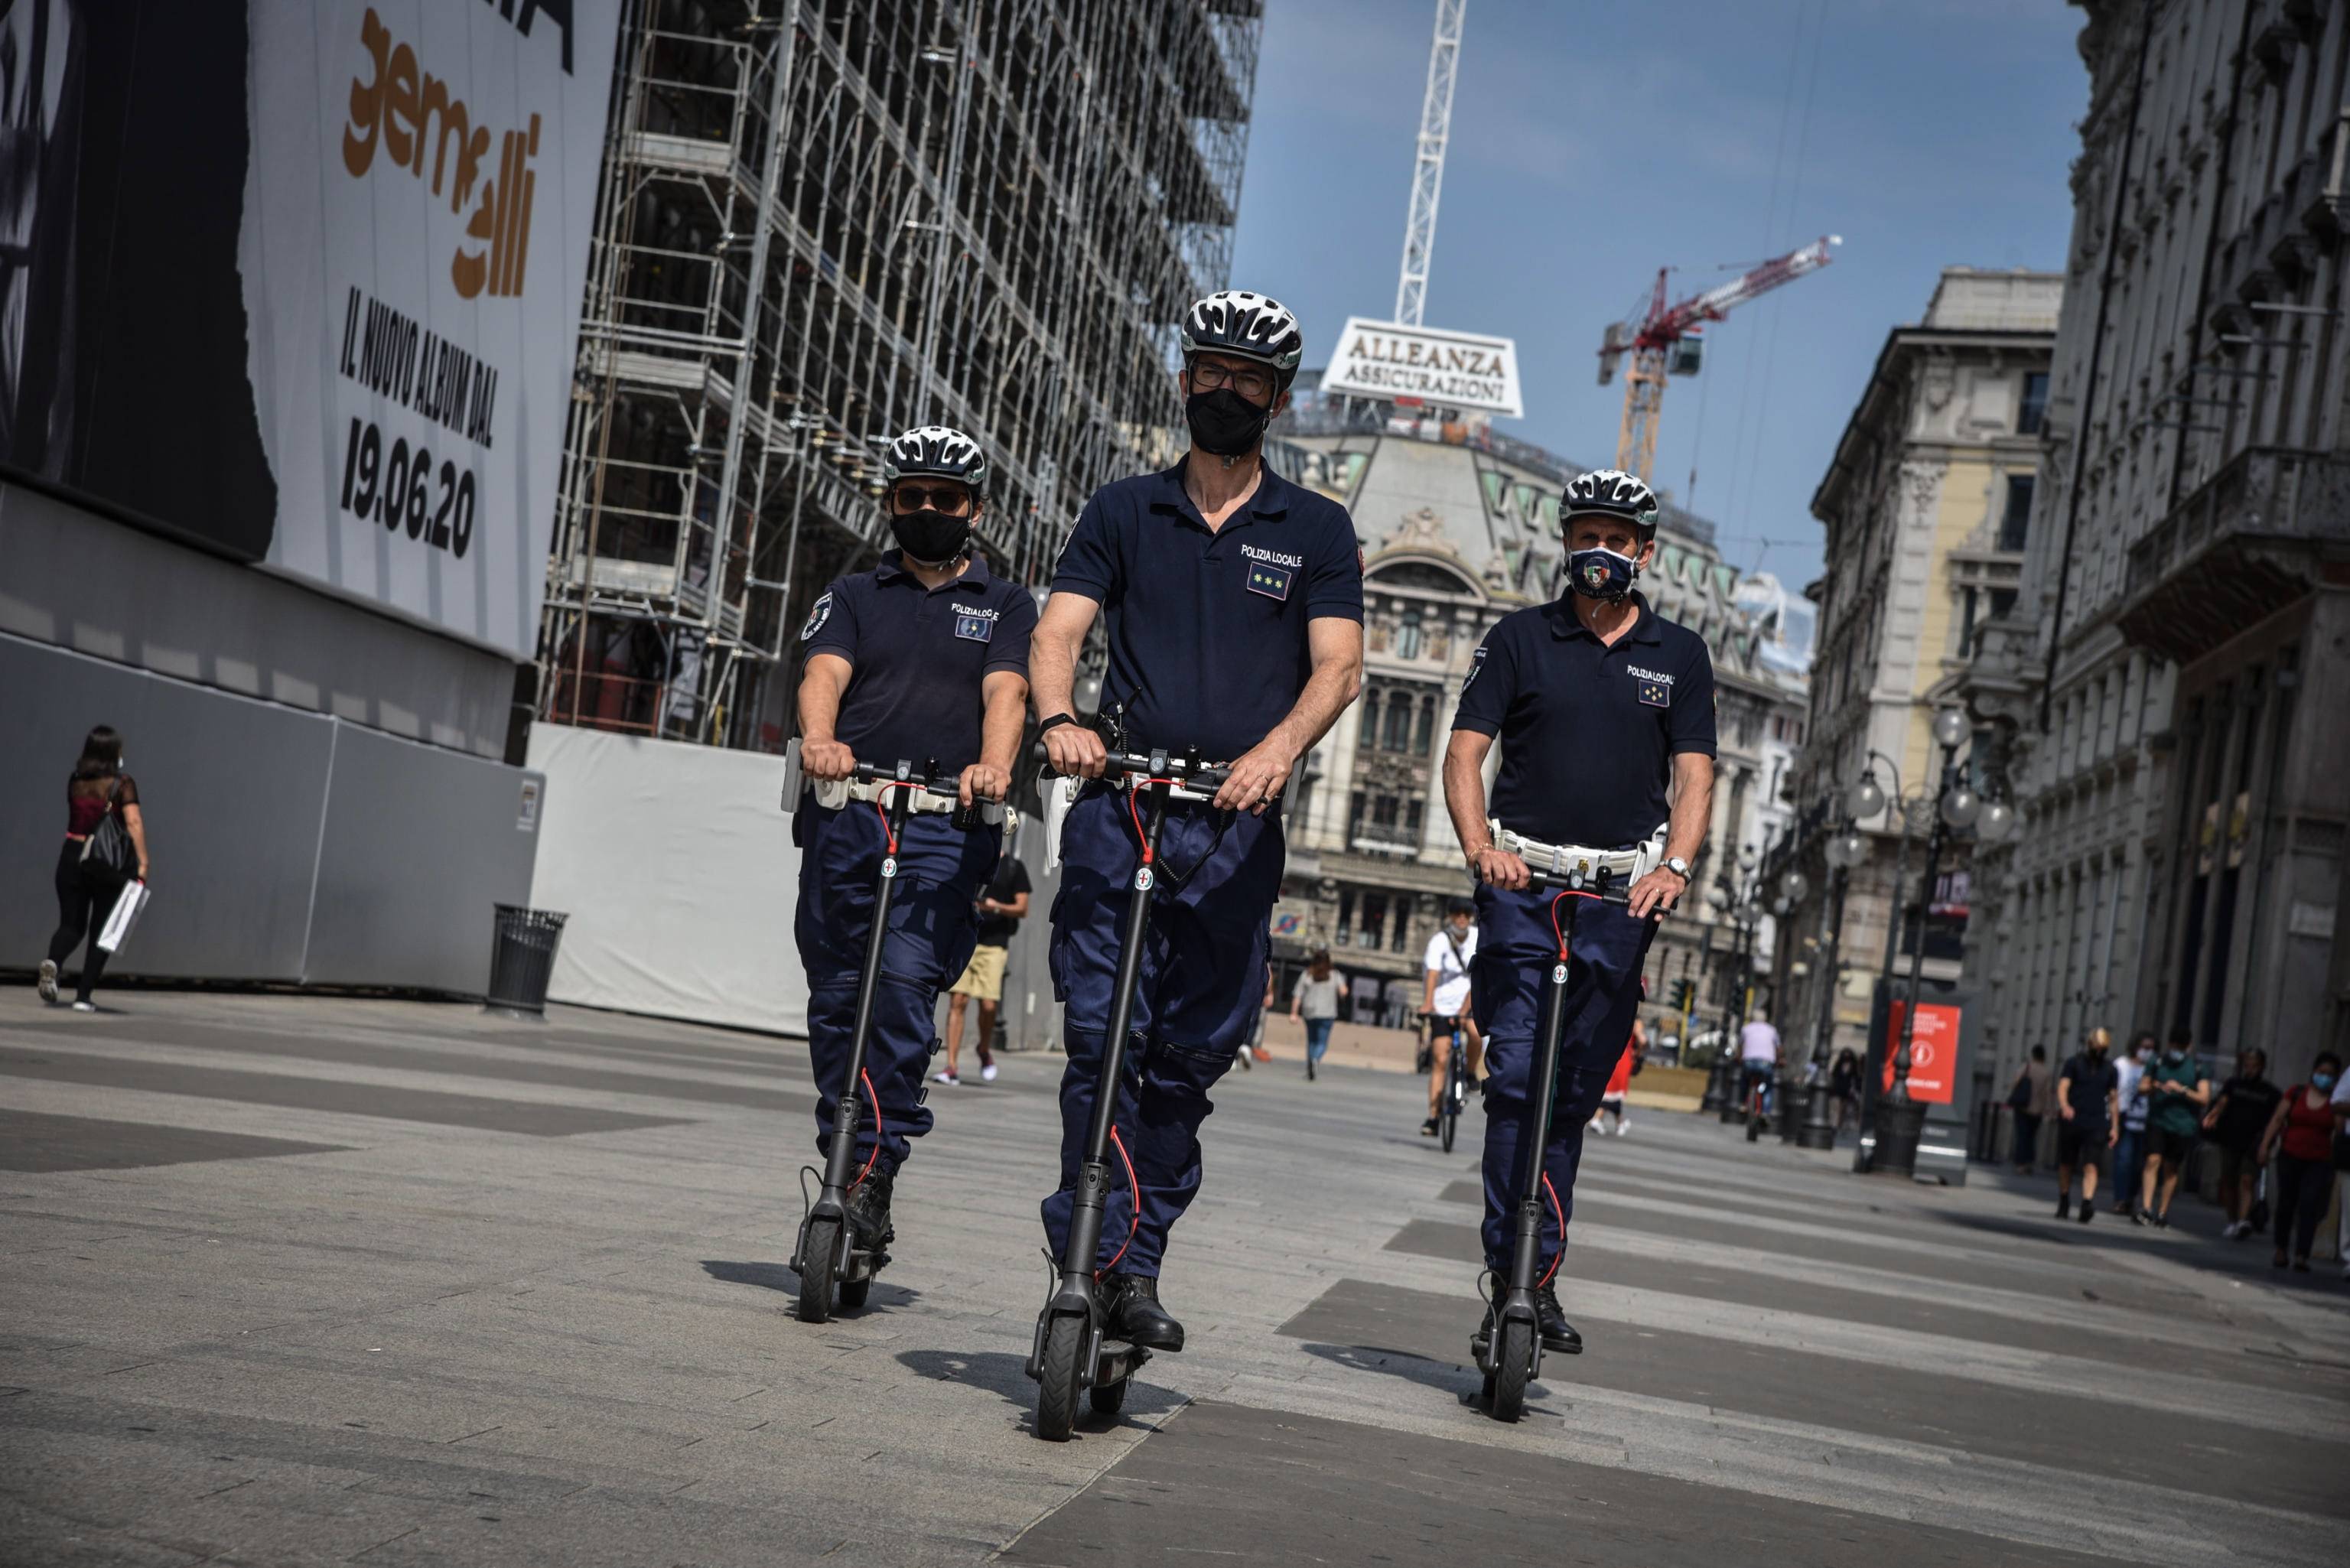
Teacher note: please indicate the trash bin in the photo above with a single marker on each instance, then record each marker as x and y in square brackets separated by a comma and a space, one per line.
[521, 961]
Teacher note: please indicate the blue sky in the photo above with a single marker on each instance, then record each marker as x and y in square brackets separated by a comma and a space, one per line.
[1594, 144]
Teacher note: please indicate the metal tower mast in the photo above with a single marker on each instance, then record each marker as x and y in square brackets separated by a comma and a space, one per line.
[1428, 167]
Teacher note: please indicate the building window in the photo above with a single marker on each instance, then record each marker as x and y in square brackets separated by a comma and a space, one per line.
[1369, 736]
[1399, 939]
[1408, 635]
[2035, 403]
[2018, 515]
[1375, 919]
[1427, 725]
[1354, 816]
[1966, 622]
[1397, 736]
[1383, 811]
[1344, 931]
[1412, 820]
[2001, 601]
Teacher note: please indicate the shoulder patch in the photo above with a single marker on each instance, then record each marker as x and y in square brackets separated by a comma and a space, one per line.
[818, 615]
[1476, 663]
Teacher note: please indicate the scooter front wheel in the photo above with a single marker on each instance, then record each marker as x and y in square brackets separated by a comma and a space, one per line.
[818, 1249]
[1513, 1358]
[1447, 1125]
[1058, 1368]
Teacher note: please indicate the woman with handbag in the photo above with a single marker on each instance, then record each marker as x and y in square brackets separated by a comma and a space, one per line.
[106, 845]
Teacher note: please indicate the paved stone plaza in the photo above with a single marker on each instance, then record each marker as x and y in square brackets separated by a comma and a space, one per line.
[300, 1281]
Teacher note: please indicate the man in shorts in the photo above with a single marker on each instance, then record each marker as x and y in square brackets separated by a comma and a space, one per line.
[1001, 910]
[2237, 1120]
[2086, 1095]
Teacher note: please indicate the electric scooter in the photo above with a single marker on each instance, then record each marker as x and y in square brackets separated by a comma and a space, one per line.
[833, 1270]
[1070, 1355]
[1508, 1348]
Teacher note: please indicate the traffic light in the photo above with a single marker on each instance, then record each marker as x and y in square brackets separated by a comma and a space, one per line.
[1684, 995]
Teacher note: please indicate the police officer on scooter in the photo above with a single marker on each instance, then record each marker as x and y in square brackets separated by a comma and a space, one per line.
[1233, 607]
[923, 659]
[1604, 712]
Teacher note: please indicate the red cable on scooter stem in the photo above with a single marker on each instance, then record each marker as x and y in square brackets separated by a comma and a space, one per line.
[1134, 1191]
[1135, 812]
[1555, 1208]
[880, 1129]
[1560, 1256]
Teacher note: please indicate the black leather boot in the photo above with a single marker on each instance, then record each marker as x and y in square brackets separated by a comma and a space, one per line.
[1557, 1333]
[868, 1212]
[1131, 1312]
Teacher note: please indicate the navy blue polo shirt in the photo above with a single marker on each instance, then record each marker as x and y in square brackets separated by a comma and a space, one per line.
[1588, 732]
[917, 657]
[1207, 630]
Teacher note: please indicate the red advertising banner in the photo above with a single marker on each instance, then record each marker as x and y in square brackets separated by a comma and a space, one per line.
[1933, 1051]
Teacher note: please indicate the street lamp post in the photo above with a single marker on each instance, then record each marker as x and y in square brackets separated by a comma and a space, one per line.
[1901, 1119]
[1845, 849]
[1737, 900]
[1793, 887]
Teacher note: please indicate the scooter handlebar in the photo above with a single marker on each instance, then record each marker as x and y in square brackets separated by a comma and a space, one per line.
[887, 772]
[1617, 890]
[1135, 765]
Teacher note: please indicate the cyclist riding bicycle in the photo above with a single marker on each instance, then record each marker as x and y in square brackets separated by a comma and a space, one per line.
[1445, 998]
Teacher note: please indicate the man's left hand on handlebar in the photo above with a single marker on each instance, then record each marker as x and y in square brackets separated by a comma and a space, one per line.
[1251, 783]
[983, 781]
[1656, 892]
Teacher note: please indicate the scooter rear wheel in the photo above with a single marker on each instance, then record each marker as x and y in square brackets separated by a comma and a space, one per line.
[1056, 1382]
[1513, 1357]
[1447, 1126]
[818, 1249]
[853, 1293]
[1108, 1398]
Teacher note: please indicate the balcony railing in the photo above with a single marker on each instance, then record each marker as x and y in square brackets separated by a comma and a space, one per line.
[2239, 547]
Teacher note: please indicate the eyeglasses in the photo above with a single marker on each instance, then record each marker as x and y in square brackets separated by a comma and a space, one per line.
[1249, 382]
[951, 499]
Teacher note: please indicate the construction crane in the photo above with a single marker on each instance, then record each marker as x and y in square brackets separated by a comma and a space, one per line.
[1665, 342]
[1428, 167]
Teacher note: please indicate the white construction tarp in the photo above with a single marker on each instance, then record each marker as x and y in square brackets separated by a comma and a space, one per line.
[676, 866]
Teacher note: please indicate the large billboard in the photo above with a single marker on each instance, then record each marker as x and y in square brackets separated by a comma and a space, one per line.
[1396, 363]
[300, 279]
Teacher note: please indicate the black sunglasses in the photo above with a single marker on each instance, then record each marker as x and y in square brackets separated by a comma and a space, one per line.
[945, 498]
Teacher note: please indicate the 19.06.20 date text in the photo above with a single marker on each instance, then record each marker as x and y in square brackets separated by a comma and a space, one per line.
[399, 490]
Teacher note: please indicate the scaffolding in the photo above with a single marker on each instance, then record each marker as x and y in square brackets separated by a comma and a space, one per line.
[822, 221]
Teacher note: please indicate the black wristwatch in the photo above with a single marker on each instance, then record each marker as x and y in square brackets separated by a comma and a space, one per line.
[1055, 721]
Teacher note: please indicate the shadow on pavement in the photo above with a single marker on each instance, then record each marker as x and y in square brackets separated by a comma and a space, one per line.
[779, 1277]
[1462, 1381]
[1001, 1372]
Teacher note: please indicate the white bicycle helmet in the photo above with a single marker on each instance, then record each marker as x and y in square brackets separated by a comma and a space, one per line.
[1614, 494]
[938, 451]
[1247, 327]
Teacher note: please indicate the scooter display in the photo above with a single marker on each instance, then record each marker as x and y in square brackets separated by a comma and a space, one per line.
[835, 1271]
[1507, 1348]
[1071, 1357]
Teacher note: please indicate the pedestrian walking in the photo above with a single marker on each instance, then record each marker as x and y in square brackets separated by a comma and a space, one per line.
[1843, 1087]
[1619, 1083]
[2130, 1150]
[2239, 1121]
[1314, 1004]
[1002, 907]
[2085, 1093]
[2177, 1091]
[1444, 996]
[2341, 1109]
[2299, 1134]
[105, 847]
[2027, 1098]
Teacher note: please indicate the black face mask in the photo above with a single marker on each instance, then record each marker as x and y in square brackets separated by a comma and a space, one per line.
[929, 536]
[1224, 424]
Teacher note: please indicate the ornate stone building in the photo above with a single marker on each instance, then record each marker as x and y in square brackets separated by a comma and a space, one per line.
[2173, 688]
[1457, 532]
[1926, 505]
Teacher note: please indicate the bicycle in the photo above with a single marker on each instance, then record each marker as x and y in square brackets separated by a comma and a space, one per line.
[1758, 1105]
[1455, 1093]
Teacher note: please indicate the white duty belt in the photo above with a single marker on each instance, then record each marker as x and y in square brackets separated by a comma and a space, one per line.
[833, 794]
[1061, 793]
[1566, 859]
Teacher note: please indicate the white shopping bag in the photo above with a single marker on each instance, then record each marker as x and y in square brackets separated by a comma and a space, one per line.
[126, 915]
